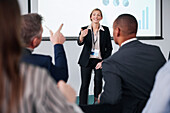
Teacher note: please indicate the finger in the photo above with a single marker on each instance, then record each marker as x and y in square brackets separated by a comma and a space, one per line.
[47, 27]
[97, 67]
[60, 83]
[51, 33]
[86, 31]
[60, 27]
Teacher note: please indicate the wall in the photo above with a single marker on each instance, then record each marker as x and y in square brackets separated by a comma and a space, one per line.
[23, 6]
[73, 50]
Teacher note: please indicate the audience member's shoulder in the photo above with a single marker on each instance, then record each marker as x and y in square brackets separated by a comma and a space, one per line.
[36, 58]
[25, 66]
[166, 66]
[168, 63]
[164, 72]
[35, 77]
[42, 56]
[33, 70]
[151, 45]
[115, 57]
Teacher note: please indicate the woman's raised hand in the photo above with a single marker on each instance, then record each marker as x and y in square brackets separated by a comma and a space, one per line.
[83, 34]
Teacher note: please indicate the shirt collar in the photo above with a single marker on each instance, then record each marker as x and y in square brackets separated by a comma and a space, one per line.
[30, 49]
[100, 28]
[127, 41]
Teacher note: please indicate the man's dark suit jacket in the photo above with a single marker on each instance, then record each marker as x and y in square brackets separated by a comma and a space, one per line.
[105, 46]
[129, 75]
[59, 71]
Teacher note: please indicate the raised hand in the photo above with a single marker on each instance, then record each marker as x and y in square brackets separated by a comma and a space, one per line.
[58, 37]
[83, 34]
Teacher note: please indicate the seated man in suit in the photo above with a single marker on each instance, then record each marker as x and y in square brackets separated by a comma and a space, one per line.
[31, 35]
[129, 73]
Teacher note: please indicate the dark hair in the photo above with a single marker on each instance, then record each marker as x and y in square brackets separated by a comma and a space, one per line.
[127, 22]
[10, 49]
[96, 9]
[31, 27]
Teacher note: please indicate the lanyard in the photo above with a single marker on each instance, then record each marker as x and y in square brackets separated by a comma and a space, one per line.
[94, 41]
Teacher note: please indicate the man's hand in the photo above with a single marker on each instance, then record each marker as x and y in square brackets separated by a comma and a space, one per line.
[58, 37]
[67, 91]
[98, 100]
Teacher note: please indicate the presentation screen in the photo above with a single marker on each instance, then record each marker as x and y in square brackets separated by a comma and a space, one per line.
[75, 14]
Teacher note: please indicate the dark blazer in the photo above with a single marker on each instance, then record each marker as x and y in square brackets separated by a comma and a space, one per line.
[59, 71]
[129, 75]
[105, 45]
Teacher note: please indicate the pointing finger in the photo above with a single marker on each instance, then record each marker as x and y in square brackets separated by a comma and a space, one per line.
[51, 33]
[60, 27]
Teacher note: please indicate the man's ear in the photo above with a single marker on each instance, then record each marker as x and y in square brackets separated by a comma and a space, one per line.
[36, 41]
[117, 31]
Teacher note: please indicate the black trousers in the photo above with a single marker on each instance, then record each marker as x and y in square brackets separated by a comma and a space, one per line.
[85, 81]
[101, 108]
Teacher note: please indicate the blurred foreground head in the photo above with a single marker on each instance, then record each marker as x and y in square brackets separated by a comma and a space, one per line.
[10, 49]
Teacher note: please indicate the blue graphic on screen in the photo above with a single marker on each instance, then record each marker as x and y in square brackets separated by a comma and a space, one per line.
[116, 3]
[125, 3]
[146, 13]
[144, 23]
[105, 2]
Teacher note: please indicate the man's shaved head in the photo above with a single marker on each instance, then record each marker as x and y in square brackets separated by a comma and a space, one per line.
[127, 24]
